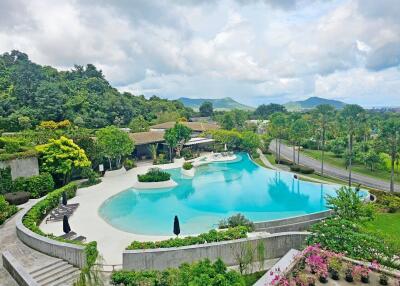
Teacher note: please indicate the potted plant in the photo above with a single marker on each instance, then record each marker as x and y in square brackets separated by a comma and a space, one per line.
[335, 265]
[361, 272]
[311, 281]
[323, 277]
[383, 279]
[349, 275]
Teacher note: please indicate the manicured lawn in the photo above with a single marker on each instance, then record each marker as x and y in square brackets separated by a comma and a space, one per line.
[259, 162]
[357, 168]
[388, 226]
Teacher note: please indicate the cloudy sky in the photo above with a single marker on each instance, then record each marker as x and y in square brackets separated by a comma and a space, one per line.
[256, 51]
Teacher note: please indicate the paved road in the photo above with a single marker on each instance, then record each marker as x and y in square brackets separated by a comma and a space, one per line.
[287, 153]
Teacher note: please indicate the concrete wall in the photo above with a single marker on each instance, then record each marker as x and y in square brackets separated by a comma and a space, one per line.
[74, 254]
[276, 245]
[24, 167]
[298, 223]
[20, 275]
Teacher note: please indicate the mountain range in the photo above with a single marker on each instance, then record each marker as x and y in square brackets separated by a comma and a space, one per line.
[225, 103]
[311, 103]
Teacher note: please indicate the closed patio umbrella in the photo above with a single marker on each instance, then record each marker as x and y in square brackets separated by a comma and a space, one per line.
[66, 227]
[177, 228]
[64, 198]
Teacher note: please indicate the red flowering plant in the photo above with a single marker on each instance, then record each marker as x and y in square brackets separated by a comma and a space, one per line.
[360, 271]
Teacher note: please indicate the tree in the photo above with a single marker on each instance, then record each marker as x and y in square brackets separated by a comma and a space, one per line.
[114, 143]
[250, 141]
[206, 109]
[182, 135]
[323, 116]
[60, 156]
[265, 111]
[139, 124]
[390, 138]
[153, 151]
[228, 121]
[298, 131]
[171, 138]
[351, 114]
[277, 129]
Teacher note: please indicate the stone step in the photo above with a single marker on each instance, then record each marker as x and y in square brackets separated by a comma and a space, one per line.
[61, 276]
[67, 280]
[47, 268]
[45, 276]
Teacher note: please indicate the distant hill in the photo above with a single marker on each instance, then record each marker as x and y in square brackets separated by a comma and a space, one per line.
[311, 103]
[226, 103]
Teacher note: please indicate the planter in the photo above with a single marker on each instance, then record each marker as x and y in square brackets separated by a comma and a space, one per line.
[323, 279]
[383, 281]
[349, 278]
[365, 279]
[335, 275]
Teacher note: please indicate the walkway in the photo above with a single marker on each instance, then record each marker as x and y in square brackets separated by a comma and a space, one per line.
[287, 153]
[29, 258]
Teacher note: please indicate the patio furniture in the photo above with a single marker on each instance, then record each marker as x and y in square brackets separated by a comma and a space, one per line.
[68, 235]
[80, 238]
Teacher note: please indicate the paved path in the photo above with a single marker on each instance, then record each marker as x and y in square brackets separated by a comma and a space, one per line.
[29, 258]
[287, 153]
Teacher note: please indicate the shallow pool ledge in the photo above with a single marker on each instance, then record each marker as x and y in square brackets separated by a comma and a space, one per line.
[155, 185]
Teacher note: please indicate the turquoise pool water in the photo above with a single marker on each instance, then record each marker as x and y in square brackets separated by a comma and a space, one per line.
[217, 191]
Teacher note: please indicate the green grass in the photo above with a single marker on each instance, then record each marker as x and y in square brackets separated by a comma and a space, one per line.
[260, 162]
[388, 226]
[331, 159]
[271, 158]
[250, 279]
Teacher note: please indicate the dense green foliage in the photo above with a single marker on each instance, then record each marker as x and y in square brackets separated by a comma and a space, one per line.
[347, 237]
[235, 140]
[115, 144]
[60, 156]
[187, 165]
[6, 210]
[37, 186]
[154, 175]
[265, 111]
[236, 220]
[5, 180]
[200, 273]
[206, 109]
[30, 93]
[211, 236]
[176, 137]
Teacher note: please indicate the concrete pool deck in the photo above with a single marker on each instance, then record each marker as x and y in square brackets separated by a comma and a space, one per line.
[86, 220]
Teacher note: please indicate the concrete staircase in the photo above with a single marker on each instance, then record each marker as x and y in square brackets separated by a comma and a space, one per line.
[56, 273]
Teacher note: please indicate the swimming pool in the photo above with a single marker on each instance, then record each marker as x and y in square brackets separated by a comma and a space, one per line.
[217, 191]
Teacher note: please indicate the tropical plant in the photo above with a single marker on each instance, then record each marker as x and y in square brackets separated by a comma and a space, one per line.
[6, 210]
[187, 166]
[278, 129]
[236, 220]
[154, 175]
[153, 151]
[60, 156]
[115, 144]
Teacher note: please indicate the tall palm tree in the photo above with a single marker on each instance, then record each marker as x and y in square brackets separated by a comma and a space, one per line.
[324, 114]
[351, 115]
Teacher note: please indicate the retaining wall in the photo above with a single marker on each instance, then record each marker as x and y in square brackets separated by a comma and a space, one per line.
[276, 245]
[74, 254]
[22, 167]
[298, 223]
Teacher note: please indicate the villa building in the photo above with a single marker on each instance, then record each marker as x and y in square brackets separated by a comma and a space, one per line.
[143, 140]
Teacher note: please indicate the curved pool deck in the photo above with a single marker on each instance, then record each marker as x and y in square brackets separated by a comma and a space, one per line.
[88, 222]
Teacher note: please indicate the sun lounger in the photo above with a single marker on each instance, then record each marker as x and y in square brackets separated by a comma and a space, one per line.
[80, 238]
[68, 235]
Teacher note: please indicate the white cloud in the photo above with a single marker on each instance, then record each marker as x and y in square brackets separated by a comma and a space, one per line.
[252, 50]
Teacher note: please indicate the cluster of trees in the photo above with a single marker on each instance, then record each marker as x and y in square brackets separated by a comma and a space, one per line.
[30, 93]
[354, 134]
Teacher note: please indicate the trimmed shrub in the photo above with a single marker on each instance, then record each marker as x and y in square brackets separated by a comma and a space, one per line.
[306, 170]
[211, 236]
[92, 176]
[17, 198]
[6, 210]
[38, 186]
[295, 168]
[236, 220]
[5, 180]
[199, 273]
[255, 155]
[187, 165]
[154, 175]
[129, 164]
[283, 162]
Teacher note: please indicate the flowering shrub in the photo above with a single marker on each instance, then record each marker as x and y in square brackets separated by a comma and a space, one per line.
[360, 271]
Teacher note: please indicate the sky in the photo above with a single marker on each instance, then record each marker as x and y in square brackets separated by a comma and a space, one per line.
[255, 51]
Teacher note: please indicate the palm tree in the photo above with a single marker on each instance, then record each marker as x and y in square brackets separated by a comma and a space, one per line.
[278, 124]
[153, 151]
[324, 114]
[351, 115]
[390, 137]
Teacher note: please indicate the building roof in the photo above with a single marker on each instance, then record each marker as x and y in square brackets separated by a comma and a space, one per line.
[148, 137]
[195, 126]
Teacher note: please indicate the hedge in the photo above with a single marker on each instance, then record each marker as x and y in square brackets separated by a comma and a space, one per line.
[18, 155]
[5, 180]
[187, 166]
[203, 272]
[6, 210]
[38, 212]
[301, 169]
[154, 175]
[38, 185]
[283, 162]
[17, 198]
[211, 236]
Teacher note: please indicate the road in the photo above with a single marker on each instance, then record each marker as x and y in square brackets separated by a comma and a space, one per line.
[332, 171]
